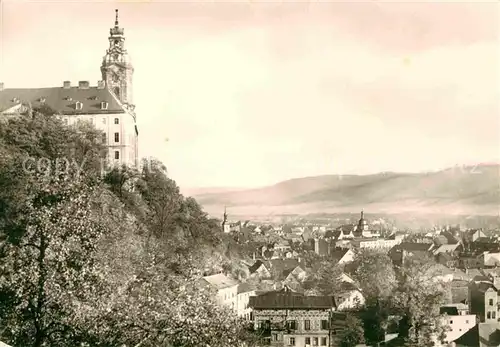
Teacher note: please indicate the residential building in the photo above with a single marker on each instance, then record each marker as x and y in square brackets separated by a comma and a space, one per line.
[375, 243]
[483, 301]
[245, 291]
[108, 106]
[349, 297]
[286, 318]
[226, 289]
[489, 259]
[458, 320]
[342, 256]
[481, 335]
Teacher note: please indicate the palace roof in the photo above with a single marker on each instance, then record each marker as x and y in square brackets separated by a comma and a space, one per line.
[63, 99]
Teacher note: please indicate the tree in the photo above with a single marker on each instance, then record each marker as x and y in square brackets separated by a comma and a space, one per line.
[119, 177]
[376, 277]
[418, 299]
[374, 274]
[49, 271]
[326, 280]
[83, 264]
[353, 333]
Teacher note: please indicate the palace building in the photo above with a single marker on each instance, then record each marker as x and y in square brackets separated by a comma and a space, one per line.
[108, 106]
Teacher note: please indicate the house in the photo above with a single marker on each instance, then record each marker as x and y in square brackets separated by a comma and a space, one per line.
[481, 335]
[225, 287]
[446, 259]
[374, 243]
[490, 259]
[472, 235]
[470, 261]
[349, 297]
[286, 318]
[483, 301]
[458, 320]
[399, 252]
[245, 291]
[293, 278]
[108, 106]
[259, 270]
[447, 248]
[342, 256]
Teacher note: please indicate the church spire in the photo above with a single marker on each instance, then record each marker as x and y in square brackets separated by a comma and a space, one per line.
[225, 215]
[116, 67]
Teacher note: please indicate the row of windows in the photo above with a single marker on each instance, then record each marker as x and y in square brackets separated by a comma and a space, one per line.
[292, 324]
[315, 341]
[491, 315]
[116, 121]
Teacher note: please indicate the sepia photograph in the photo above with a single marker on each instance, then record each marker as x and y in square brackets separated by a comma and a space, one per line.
[249, 173]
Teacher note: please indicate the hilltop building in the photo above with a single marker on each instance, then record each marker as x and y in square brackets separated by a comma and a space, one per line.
[108, 106]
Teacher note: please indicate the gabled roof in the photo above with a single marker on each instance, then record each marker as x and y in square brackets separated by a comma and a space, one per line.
[291, 300]
[245, 288]
[256, 266]
[338, 254]
[220, 281]
[483, 334]
[62, 100]
[414, 246]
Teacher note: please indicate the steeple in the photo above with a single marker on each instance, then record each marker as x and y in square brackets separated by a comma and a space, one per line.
[116, 68]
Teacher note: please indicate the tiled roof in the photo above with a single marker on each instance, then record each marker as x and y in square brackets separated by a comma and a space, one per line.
[62, 100]
[414, 246]
[290, 300]
[255, 266]
[245, 288]
[278, 266]
[337, 254]
[483, 334]
[220, 281]
[459, 294]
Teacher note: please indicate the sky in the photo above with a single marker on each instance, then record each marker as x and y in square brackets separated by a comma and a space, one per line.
[246, 94]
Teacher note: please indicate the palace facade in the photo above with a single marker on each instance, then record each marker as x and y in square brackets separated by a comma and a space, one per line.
[108, 106]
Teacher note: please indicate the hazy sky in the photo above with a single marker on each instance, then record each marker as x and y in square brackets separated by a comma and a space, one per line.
[253, 93]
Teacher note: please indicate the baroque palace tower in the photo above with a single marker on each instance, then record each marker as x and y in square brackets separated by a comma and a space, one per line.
[108, 106]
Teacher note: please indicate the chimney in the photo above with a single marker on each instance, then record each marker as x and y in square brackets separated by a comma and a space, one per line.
[101, 84]
[67, 84]
[83, 84]
[1, 86]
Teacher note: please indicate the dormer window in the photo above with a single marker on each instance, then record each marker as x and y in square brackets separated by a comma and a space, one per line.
[104, 105]
[79, 105]
[16, 100]
[42, 100]
[69, 98]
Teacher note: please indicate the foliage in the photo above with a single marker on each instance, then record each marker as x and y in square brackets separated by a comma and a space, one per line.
[325, 281]
[50, 271]
[353, 333]
[374, 274]
[418, 299]
[81, 265]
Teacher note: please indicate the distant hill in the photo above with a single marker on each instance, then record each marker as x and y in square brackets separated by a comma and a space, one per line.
[461, 190]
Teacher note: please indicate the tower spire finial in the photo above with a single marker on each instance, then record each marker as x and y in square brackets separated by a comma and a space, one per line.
[116, 18]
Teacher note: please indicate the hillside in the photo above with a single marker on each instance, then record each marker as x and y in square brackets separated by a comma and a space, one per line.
[466, 190]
